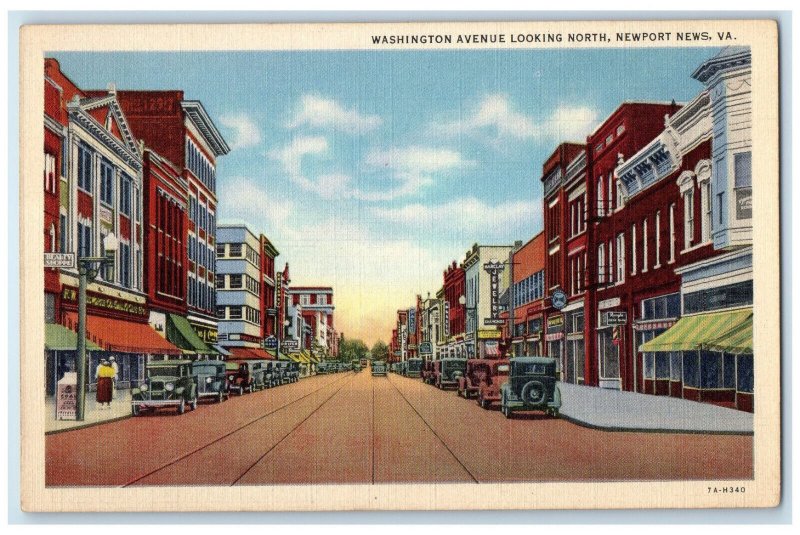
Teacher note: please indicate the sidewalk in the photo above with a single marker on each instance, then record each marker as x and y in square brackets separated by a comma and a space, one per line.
[120, 408]
[614, 410]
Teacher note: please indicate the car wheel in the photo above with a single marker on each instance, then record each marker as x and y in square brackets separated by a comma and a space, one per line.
[534, 393]
[182, 407]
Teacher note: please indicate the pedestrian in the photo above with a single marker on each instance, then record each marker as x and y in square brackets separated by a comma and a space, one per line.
[105, 378]
[114, 380]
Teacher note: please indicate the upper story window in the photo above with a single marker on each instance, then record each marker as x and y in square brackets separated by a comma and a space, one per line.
[609, 139]
[85, 168]
[322, 299]
[50, 178]
[742, 170]
[106, 182]
[234, 281]
[305, 299]
[620, 129]
[235, 250]
[221, 250]
[688, 218]
[125, 193]
[600, 198]
[610, 197]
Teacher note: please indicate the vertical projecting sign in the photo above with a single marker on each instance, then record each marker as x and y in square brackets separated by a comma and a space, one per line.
[494, 268]
[446, 320]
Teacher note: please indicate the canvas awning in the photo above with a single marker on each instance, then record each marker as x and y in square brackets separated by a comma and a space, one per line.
[221, 350]
[737, 340]
[181, 333]
[124, 336]
[59, 338]
[699, 331]
[246, 353]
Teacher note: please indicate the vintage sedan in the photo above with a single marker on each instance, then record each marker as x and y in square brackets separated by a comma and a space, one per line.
[531, 386]
[293, 372]
[426, 374]
[168, 383]
[211, 379]
[476, 372]
[446, 372]
[378, 367]
[355, 365]
[286, 373]
[245, 375]
[412, 368]
[491, 383]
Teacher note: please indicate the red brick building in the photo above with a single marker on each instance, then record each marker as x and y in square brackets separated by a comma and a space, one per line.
[270, 293]
[454, 311]
[180, 131]
[527, 295]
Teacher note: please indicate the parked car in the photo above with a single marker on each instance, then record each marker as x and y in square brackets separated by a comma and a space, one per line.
[395, 366]
[446, 372]
[413, 367]
[378, 367]
[531, 386]
[245, 375]
[402, 367]
[168, 383]
[211, 379]
[271, 374]
[426, 374]
[355, 365]
[489, 387]
[294, 372]
[476, 371]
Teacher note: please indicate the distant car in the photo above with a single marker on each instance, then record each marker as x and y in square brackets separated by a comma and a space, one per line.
[426, 374]
[355, 365]
[271, 374]
[413, 367]
[446, 372]
[211, 379]
[168, 383]
[378, 367]
[401, 367]
[293, 372]
[531, 386]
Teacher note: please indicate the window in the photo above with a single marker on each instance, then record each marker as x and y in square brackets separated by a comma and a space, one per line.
[235, 250]
[658, 239]
[620, 196]
[220, 282]
[608, 354]
[322, 299]
[84, 240]
[688, 218]
[192, 209]
[609, 139]
[744, 373]
[50, 179]
[125, 195]
[235, 313]
[620, 277]
[620, 129]
[85, 168]
[662, 307]
[234, 281]
[63, 234]
[600, 198]
[598, 148]
[305, 299]
[192, 247]
[610, 198]
[106, 182]
[644, 246]
[221, 250]
[601, 264]
[729, 296]
[672, 233]
[742, 170]
[705, 201]
[633, 249]
[610, 269]
[221, 313]
[125, 264]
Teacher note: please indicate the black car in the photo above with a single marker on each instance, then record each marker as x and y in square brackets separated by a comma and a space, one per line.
[531, 386]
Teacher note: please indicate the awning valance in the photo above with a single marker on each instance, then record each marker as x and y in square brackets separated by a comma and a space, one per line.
[700, 331]
[124, 336]
[738, 340]
[59, 338]
[181, 333]
[245, 353]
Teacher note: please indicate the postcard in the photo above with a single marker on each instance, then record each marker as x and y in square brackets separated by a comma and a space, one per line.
[296, 267]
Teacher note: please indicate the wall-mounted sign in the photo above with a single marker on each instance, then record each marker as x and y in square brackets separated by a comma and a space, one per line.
[290, 344]
[616, 318]
[558, 299]
[488, 334]
[494, 269]
[59, 260]
[425, 348]
[555, 323]
[97, 300]
[447, 319]
[608, 303]
[278, 288]
[412, 320]
[206, 334]
[744, 203]
[270, 342]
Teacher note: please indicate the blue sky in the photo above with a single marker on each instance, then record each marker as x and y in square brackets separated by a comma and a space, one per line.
[370, 171]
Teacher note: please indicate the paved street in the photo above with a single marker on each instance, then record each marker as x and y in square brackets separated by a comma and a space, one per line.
[353, 428]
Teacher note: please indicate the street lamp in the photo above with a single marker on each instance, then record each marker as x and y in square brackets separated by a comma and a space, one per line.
[88, 269]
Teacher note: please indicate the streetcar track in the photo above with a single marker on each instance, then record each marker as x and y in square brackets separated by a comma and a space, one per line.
[432, 430]
[292, 430]
[232, 432]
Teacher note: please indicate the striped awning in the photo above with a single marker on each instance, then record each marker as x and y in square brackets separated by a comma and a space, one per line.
[700, 331]
[737, 340]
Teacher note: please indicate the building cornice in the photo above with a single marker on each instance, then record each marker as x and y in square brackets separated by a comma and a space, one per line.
[197, 114]
[91, 126]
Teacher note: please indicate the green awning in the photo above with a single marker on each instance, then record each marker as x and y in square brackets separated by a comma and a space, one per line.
[59, 338]
[181, 333]
[737, 340]
[699, 332]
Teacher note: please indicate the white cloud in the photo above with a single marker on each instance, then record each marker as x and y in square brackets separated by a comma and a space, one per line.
[495, 117]
[291, 156]
[416, 159]
[571, 123]
[320, 112]
[245, 132]
[243, 198]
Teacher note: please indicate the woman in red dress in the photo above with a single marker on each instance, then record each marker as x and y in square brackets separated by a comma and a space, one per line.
[105, 376]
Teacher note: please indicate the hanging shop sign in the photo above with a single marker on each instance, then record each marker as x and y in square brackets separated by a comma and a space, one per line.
[59, 260]
[558, 299]
[270, 342]
[447, 319]
[425, 348]
[290, 344]
[614, 317]
[494, 268]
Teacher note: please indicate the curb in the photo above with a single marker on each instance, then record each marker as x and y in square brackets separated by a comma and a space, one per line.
[623, 429]
[84, 426]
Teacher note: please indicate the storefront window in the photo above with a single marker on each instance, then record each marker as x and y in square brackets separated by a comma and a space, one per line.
[729, 296]
[662, 365]
[649, 365]
[676, 365]
[665, 306]
[710, 369]
[728, 371]
[608, 353]
[691, 369]
[744, 373]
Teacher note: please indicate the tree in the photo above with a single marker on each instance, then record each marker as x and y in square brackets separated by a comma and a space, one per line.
[380, 351]
[352, 349]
